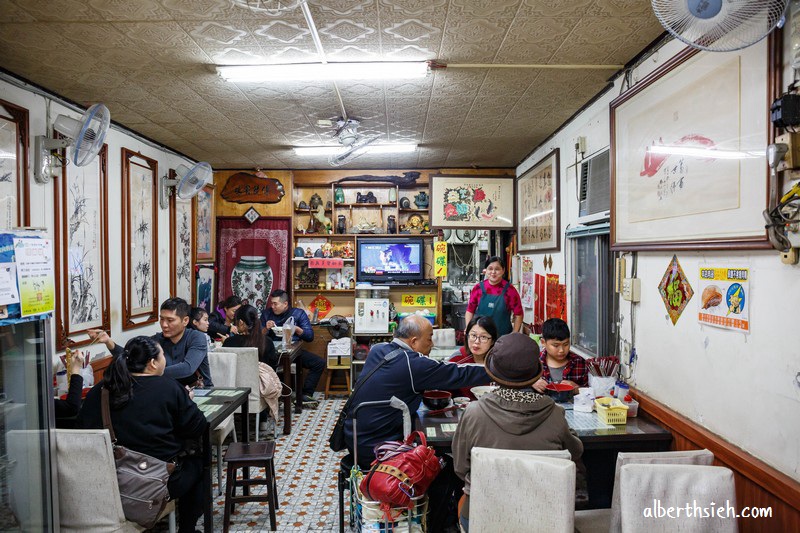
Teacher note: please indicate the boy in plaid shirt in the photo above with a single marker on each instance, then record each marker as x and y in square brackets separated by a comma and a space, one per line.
[558, 363]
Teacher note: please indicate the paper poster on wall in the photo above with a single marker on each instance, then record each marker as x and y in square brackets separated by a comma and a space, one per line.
[440, 258]
[675, 290]
[8, 284]
[554, 299]
[35, 275]
[725, 297]
[322, 304]
[526, 284]
[418, 300]
[538, 299]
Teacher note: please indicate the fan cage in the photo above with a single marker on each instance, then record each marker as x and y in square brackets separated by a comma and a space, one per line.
[737, 25]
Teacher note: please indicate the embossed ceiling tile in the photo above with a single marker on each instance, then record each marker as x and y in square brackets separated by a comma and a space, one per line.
[26, 39]
[572, 53]
[277, 32]
[458, 83]
[401, 8]
[483, 8]
[367, 89]
[126, 10]
[347, 31]
[341, 7]
[155, 110]
[297, 53]
[553, 8]
[409, 52]
[621, 8]
[214, 35]
[485, 31]
[14, 13]
[416, 88]
[645, 31]
[55, 9]
[238, 56]
[507, 82]
[123, 58]
[462, 52]
[204, 9]
[351, 53]
[155, 34]
[413, 31]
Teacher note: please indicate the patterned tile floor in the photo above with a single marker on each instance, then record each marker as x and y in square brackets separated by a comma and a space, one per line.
[306, 469]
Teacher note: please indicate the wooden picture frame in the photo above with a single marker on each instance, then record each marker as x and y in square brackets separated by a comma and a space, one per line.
[181, 252]
[205, 217]
[81, 252]
[139, 238]
[205, 281]
[539, 206]
[671, 187]
[475, 202]
[14, 150]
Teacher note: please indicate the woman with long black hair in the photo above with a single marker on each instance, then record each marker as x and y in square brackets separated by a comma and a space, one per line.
[155, 415]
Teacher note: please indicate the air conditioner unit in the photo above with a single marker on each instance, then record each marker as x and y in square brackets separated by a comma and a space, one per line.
[594, 193]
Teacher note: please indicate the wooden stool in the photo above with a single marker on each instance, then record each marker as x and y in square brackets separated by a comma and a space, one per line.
[339, 389]
[258, 455]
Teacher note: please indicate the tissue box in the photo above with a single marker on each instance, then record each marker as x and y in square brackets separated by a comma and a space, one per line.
[339, 351]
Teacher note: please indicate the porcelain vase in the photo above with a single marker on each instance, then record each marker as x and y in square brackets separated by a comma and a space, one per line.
[251, 280]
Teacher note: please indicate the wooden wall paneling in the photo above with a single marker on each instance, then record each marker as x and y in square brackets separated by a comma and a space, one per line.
[757, 483]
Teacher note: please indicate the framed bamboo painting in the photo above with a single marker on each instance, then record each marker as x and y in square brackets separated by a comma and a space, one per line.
[538, 206]
[81, 229]
[139, 238]
[13, 166]
[688, 159]
[204, 286]
[181, 253]
[205, 218]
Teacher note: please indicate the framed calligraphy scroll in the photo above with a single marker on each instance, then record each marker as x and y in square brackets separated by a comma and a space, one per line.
[538, 206]
[13, 166]
[688, 161]
[181, 225]
[205, 217]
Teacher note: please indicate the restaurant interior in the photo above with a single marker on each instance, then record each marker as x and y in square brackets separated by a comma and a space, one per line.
[152, 149]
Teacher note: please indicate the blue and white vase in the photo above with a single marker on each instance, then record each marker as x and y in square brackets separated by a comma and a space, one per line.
[251, 280]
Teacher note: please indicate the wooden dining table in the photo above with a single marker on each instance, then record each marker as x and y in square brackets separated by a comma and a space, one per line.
[601, 443]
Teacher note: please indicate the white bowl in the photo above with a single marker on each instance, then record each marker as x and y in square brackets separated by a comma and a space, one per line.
[278, 331]
[482, 389]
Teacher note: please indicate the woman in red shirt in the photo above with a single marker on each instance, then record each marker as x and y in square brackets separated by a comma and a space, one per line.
[496, 298]
[479, 339]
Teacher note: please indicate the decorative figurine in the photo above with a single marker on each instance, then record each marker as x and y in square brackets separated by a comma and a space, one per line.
[348, 250]
[309, 253]
[324, 222]
[405, 203]
[298, 252]
[352, 283]
[426, 228]
[414, 224]
[327, 250]
[318, 253]
[302, 205]
[328, 206]
[391, 224]
[392, 195]
[421, 200]
[368, 198]
[316, 201]
[307, 278]
[341, 225]
[338, 195]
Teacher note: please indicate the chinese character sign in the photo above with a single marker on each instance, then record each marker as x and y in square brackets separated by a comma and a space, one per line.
[725, 298]
[322, 304]
[440, 259]
[675, 290]
[418, 300]
[527, 283]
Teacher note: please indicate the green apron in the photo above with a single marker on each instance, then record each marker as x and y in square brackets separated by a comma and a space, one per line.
[495, 306]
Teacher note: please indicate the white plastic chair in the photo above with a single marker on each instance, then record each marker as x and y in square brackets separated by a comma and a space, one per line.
[509, 487]
[88, 493]
[596, 520]
[223, 368]
[247, 376]
[677, 486]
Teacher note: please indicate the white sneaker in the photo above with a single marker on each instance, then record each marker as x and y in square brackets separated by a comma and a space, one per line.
[268, 427]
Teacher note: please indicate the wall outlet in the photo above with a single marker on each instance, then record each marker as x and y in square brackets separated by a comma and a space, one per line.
[619, 274]
[791, 257]
[632, 289]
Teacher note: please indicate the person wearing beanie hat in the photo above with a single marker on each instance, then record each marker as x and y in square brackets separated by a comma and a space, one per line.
[514, 416]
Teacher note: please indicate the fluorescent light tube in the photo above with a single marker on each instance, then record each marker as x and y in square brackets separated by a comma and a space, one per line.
[382, 70]
[371, 148]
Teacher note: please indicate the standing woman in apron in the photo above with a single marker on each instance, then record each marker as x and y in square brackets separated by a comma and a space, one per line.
[496, 298]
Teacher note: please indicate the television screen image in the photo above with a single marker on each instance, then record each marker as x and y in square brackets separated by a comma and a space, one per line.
[390, 260]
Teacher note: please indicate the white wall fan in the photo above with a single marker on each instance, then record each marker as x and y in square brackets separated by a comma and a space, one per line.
[188, 183]
[720, 25]
[466, 236]
[84, 137]
[354, 143]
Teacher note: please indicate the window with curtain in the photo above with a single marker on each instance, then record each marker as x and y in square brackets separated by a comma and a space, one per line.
[590, 262]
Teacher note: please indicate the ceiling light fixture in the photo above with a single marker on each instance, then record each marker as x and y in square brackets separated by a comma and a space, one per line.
[382, 70]
[373, 149]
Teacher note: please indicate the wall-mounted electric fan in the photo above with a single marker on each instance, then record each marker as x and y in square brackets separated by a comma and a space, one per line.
[84, 138]
[188, 183]
[719, 25]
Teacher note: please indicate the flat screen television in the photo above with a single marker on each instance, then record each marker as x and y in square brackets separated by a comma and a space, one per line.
[390, 259]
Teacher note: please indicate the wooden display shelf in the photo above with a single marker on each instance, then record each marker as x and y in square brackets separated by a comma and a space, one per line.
[351, 206]
[342, 291]
[309, 211]
[413, 210]
[345, 259]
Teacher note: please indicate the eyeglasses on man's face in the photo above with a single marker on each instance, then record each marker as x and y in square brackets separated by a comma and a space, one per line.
[479, 338]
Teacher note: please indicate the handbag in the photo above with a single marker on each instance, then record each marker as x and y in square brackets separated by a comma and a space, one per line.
[337, 441]
[403, 471]
[142, 479]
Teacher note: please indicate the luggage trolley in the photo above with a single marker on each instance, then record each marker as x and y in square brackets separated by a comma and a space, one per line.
[366, 515]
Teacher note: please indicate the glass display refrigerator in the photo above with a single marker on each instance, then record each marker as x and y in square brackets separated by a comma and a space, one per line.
[28, 477]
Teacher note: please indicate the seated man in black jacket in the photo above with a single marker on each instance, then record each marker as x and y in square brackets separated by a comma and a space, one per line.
[186, 350]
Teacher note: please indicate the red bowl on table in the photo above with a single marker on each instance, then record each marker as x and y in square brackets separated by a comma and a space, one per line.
[559, 392]
[84, 392]
[436, 399]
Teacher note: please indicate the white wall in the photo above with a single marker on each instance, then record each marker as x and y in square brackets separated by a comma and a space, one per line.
[740, 386]
[41, 202]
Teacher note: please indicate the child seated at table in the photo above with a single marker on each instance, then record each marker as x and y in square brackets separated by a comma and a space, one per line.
[513, 417]
[559, 364]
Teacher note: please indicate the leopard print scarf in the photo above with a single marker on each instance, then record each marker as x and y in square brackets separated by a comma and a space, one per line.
[518, 395]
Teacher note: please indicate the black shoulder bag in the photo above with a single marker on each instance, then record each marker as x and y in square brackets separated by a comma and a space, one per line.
[337, 441]
[142, 479]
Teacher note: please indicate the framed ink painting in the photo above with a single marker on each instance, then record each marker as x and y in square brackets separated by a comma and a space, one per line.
[475, 202]
[13, 166]
[205, 218]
